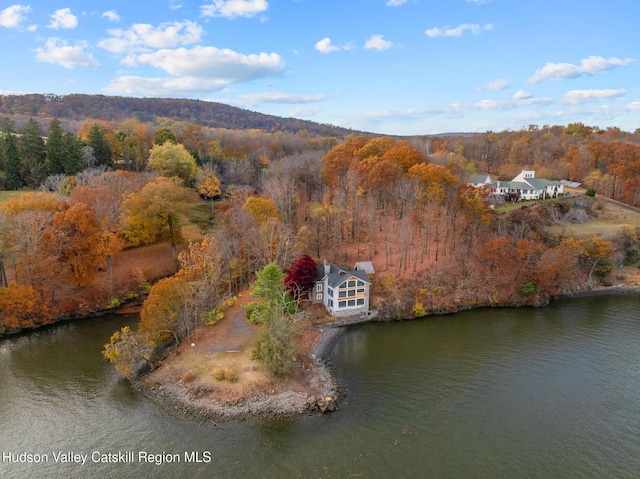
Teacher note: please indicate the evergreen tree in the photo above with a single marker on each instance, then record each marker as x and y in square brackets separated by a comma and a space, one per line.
[54, 148]
[100, 145]
[73, 157]
[274, 347]
[14, 176]
[33, 153]
[275, 299]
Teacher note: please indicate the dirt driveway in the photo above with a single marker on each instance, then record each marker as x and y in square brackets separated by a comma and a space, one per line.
[233, 333]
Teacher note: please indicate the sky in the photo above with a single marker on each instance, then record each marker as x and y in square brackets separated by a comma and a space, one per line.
[396, 67]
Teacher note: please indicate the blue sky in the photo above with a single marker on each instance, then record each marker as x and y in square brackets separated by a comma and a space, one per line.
[404, 67]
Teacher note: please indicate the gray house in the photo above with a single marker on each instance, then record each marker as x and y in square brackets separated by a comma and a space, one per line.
[343, 291]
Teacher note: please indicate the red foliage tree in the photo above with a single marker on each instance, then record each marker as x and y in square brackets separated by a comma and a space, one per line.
[301, 275]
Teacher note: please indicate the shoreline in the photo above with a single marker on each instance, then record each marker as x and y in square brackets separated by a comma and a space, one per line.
[291, 404]
[285, 405]
[604, 291]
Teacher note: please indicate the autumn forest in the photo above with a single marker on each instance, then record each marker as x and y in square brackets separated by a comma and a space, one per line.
[215, 205]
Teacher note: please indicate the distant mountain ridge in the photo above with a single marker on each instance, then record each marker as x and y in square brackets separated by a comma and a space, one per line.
[79, 107]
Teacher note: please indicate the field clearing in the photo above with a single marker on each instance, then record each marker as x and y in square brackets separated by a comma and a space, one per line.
[7, 195]
[612, 217]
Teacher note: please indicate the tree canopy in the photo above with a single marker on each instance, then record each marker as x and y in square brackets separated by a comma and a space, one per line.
[173, 160]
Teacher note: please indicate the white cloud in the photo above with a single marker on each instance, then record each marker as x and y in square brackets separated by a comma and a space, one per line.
[234, 8]
[222, 65]
[634, 106]
[252, 99]
[175, 4]
[395, 3]
[12, 16]
[377, 42]
[137, 85]
[496, 85]
[588, 66]
[199, 70]
[575, 97]
[60, 52]
[142, 36]
[111, 15]
[457, 109]
[63, 18]
[478, 2]
[325, 46]
[522, 95]
[458, 31]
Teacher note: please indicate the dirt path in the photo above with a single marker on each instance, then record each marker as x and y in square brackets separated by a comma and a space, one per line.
[233, 333]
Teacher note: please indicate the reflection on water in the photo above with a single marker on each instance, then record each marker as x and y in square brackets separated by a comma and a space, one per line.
[548, 392]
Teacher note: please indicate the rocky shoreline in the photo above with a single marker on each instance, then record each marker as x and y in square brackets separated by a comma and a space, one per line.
[604, 291]
[287, 404]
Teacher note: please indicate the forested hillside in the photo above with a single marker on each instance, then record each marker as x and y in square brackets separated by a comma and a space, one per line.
[107, 187]
[113, 108]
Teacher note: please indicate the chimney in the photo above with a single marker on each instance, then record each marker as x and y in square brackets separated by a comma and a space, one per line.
[327, 267]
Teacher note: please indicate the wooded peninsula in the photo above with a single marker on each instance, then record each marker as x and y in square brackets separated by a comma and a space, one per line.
[111, 201]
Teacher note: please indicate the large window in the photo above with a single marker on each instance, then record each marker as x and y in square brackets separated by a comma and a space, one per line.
[349, 290]
[319, 287]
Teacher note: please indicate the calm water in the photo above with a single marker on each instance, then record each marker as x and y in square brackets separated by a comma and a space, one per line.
[551, 392]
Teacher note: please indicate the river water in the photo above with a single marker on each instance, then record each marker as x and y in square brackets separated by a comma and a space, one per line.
[541, 393]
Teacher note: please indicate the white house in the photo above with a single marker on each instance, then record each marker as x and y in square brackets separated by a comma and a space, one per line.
[344, 292]
[525, 186]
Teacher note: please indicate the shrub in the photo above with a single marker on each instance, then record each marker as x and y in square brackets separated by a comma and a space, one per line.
[419, 310]
[259, 312]
[590, 192]
[188, 376]
[528, 288]
[225, 374]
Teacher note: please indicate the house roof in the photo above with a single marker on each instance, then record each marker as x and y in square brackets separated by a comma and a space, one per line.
[571, 184]
[538, 183]
[338, 274]
[518, 185]
[366, 266]
[479, 179]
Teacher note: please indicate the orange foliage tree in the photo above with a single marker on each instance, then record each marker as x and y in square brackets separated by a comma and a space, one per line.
[21, 307]
[81, 243]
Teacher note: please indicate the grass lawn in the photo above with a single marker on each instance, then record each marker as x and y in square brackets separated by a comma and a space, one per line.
[7, 195]
[611, 218]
